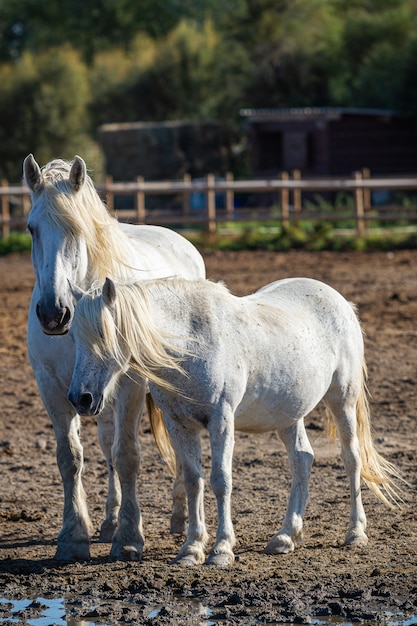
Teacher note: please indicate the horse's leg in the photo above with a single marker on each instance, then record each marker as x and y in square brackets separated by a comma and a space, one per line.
[179, 501]
[128, 540]
[74, 536]
[300, 456]
[188, 446]
[222, 443]
[344, 413]
[105, 426]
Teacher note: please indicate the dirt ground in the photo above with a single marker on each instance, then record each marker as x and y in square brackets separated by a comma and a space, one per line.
[376, 584]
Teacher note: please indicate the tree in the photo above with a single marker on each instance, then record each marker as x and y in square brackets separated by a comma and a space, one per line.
[43, 108]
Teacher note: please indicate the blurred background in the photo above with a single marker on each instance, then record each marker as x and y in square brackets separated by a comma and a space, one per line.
[72, 70]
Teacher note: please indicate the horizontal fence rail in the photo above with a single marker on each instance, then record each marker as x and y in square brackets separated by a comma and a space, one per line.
[283, 199]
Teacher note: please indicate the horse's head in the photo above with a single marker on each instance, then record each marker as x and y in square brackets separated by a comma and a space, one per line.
[101, 357]
[59, 251]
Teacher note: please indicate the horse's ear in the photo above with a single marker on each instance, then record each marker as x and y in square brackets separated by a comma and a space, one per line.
[32, 174]
[78, 173]
[109, 292]
[77, 292]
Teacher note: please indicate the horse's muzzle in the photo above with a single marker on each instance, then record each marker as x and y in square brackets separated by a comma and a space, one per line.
[84, 403]
[57, 323]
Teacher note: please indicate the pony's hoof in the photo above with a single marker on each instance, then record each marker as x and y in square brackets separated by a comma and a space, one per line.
[126, 553]
[356, 539]
[221, 559]
[280, 544]
[73, 552]
[191, 559]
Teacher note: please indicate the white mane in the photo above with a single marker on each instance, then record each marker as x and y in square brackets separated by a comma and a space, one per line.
[83, 215]
[126, 332]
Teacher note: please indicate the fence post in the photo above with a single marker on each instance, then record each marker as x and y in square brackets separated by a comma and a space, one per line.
[186, 196]
[285, 202]
[5, 211]
[109, 194]
[296, 175]
[230, 197]
[140, 201]
[367, 204]
[25, 204]
[360, 222]
[211, 204]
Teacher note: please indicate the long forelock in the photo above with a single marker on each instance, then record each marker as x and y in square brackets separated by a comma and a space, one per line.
[83, 215]
[127, 329]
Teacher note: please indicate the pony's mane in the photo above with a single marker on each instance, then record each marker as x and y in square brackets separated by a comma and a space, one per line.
[127, 332]
[83, 215]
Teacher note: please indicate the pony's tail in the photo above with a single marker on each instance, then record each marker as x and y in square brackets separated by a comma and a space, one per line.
[378, 473]
[160, 433]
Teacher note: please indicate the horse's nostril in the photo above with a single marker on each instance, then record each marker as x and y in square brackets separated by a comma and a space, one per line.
[66, 317]
[85, 401]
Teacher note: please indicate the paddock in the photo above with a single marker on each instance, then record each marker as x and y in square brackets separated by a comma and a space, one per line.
[322, 577]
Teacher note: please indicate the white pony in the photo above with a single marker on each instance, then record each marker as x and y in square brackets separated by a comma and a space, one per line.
[219, 362]
[75, 239]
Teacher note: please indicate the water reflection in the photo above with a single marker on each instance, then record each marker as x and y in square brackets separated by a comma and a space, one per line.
[57, 612]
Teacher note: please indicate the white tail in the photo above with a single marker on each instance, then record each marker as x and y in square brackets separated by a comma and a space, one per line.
[377, 472]
[160, 434]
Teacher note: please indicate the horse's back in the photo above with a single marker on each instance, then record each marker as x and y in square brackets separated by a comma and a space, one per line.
[160, 249]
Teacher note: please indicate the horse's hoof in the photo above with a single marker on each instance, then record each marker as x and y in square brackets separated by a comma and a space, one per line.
[221, 560]
[126, 553]
[178, 527]
[73, 552]
[356, 539]
[106, 532]
[280, 544]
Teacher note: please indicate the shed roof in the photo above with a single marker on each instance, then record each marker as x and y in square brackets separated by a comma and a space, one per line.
[304, 113]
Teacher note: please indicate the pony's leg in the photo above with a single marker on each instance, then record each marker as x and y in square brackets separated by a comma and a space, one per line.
[344, 414]
[179, 515]
[128, 540]
[300, 456]
[188, 445]
[74, 536]
[222, 443]
[105, 426]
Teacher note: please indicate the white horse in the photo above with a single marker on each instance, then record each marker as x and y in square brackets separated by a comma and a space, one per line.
[75, 239]
[218, 362]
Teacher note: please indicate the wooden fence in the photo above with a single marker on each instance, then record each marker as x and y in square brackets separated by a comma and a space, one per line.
[282, 199]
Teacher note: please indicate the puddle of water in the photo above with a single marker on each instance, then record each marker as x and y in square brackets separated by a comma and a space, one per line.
[53, 612]
[49, 612]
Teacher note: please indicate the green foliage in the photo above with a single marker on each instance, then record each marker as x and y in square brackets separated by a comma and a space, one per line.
[43, 109]
[15, 242]
[70, 66]
[306, 235]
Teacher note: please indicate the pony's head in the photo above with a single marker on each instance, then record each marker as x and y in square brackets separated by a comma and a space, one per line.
[113, 332]
[74, 238]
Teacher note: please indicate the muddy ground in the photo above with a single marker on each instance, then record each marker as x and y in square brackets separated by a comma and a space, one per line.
[374, 584]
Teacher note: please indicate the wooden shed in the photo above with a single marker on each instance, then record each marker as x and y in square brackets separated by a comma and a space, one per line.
[330, 141]
[162, 150]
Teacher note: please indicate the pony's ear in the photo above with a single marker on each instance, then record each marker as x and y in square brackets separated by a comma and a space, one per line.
[32, 174]
[77, 292]
[78, 173]
[109, 292]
